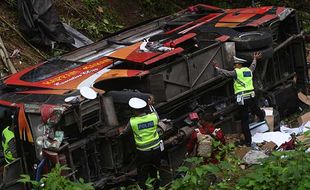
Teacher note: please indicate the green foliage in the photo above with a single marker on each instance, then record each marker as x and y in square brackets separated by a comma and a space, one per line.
[58, 52]
[131, 187]
[149, 186]
[95, 19]
[98, 30]
[55, 181]
[283, 170]
[222, 151]
[196, 175]
[151, 8]
[287, 170]
[199, 175]
[91, 4]
[12, 3]
[228, 170]
[305, 20]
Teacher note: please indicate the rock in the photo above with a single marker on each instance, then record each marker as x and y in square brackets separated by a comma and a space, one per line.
[254, 156]
[242, 166]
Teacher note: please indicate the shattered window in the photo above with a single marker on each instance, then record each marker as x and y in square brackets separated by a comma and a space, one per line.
[50, 69]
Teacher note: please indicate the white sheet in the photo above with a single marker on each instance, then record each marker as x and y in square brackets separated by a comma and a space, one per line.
[277, 137]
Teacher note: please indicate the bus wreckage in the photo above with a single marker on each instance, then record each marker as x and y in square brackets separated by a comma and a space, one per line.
[58, 119]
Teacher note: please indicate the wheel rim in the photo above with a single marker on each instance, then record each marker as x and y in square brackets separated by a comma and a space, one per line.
[251, 36]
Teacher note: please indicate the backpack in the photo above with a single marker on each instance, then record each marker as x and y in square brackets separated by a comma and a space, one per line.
[204, 144]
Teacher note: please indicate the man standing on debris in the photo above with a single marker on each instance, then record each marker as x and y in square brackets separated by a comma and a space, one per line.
[148, 143]
[244, 91]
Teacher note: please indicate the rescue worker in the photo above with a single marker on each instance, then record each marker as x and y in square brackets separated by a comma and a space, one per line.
[8, 144]
[148, 144]
[244, 91]
[200, 141]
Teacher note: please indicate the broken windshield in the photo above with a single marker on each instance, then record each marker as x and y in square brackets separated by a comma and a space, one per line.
[50, 69]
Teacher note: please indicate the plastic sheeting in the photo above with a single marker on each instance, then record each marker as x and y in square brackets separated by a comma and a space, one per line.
[276, 137]
[40, 22]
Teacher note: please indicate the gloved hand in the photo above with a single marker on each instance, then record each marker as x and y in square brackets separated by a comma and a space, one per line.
[215, 65]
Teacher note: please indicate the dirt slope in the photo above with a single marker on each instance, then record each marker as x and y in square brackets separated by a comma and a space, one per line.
[94, 18]
[12, 41]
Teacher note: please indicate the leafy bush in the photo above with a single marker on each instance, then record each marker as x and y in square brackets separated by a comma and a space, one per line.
[195, 176]
[283, 170]
[287, 170]
[157, 8]
[95, 19]
[12, 3]
[91, 3]
[55, 181]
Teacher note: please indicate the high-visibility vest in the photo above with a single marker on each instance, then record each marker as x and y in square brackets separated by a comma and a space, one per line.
[7, 136]
[244, 80]
[144, 130]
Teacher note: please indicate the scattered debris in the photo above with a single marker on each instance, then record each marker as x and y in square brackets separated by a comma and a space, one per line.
[289, 145]
[254, 157]
[305, 99]
[16, 53]
[80, 40]
[268, 147]
[304, 118]
[306, 126]
[277, 137]
[269, 117]
[240, 152]
[305, 140]
[5, 58]
[260, 127]
[296, 131]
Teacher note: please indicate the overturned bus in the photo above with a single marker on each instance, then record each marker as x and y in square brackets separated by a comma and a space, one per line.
[169, 58]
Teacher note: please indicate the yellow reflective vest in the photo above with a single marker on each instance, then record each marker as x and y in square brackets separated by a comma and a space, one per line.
[244, 80]
[7, 136]
[144, 130]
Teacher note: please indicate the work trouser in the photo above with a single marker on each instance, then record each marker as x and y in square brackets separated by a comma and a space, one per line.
[249, 104]
[148, 163]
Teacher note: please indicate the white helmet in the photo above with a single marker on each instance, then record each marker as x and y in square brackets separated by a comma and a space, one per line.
[137, 103]
[239, 60]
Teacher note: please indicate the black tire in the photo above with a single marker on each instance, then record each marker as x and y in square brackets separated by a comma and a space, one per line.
[252, 40]
[248, 55]
[116, 42]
